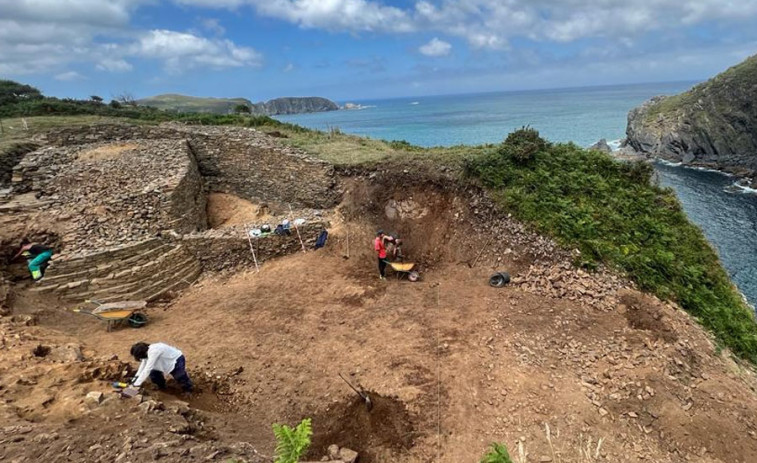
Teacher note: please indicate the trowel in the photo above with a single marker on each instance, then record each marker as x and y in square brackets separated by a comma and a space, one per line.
[363, 395]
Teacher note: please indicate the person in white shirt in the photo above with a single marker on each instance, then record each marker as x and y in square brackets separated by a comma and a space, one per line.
[156, 361]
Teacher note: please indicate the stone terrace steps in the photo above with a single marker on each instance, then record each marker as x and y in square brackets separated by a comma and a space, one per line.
[146, 270]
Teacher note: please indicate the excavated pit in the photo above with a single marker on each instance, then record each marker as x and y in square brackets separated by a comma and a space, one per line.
[385, 431]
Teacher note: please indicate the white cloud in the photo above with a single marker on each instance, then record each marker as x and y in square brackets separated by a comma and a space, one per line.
[114, 65]
[69, 76]
[436, 48]
[337, 15]
[288, 68]
[45, 36]
[213, 25]
[181, 50]
[492, 24]
[332, 15]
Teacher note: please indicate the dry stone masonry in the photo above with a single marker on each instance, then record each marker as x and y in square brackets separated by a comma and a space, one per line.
[129, 203]
[238, 160]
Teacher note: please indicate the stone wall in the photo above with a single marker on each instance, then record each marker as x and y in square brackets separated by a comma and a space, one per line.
[148, 270]
[227, 249]
[242, 161]
[103, 195]
[187, 203]
[260, 171]
[9, 158]
[86, 134]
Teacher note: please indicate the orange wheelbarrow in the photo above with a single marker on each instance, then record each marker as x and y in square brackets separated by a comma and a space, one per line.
[114, 313]
[404, 269]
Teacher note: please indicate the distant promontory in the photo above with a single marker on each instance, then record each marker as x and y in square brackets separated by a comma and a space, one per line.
[288, 105]
[712, 125]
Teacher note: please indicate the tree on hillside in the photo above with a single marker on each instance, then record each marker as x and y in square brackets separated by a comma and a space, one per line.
[12, 92]
[126, 98]
[96, 99]
[242, 109]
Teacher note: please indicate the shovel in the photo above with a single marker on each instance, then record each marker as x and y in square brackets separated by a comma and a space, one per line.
[363, 395]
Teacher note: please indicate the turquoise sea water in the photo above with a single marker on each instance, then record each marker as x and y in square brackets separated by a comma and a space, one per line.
[582, 116]
[727, 216]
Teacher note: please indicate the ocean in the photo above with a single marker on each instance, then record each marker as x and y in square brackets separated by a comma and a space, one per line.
[727, 215]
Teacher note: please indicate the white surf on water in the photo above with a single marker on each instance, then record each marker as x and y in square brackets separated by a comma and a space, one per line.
[615, 144]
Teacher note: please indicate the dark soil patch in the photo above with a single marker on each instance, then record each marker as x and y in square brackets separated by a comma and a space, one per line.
[41, 351]
[643, 315]
[387, 427]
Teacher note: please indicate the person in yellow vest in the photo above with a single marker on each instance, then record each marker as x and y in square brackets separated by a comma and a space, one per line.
[37, 257]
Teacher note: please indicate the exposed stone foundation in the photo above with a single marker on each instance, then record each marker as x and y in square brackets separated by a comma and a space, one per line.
[224, 249]
[109, 191]
[143, 271]
[236, 160]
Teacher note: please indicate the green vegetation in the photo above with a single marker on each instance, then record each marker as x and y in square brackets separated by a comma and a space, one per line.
[613, 215]
[497, 453]
[193, 104]
[717, 91]
[291, 444]
[23, 101]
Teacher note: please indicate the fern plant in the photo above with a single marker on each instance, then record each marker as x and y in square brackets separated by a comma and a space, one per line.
[497, 454]
[291, 444]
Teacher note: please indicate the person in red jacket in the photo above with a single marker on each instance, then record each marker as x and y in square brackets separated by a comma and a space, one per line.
[379, 245]
[380, 248]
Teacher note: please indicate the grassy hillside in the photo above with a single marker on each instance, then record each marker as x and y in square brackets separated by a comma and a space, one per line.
[610, 211]
[193, 104]
[718, 94]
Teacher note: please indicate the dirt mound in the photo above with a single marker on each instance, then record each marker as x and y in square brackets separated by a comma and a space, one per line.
[225, 210]
[385, 430]
[643, 314]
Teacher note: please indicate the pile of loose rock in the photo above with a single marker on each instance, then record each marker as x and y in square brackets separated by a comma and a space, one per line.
[563, 280]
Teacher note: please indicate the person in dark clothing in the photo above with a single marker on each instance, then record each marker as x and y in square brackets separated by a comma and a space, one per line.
[37, 257]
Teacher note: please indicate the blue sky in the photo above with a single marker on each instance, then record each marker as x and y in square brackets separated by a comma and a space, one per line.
[363, 49]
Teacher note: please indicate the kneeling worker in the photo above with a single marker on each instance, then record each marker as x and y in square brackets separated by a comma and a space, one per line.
[37, 257]
[156, 361]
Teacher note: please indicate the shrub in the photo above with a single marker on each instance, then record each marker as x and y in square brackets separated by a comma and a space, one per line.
[291, 444]
[497, 453]
[522, 145]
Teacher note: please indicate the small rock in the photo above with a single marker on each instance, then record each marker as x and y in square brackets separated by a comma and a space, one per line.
[94, 398]
[347, 455]
[545, 459]
[149, 406]
[333, 452]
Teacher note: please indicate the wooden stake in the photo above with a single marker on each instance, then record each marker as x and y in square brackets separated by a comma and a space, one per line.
[348, 243]
[252, 249]
[297, 229]
[481, 252]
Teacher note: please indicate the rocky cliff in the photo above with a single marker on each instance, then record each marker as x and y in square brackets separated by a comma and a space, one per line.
[289, 105]
[714, 124]
[293, 105]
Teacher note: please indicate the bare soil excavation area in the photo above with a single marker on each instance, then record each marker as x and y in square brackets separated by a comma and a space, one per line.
[451, 365]
[559, 365]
